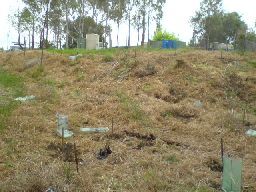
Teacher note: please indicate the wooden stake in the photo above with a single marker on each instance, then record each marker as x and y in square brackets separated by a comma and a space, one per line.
[244, 116]
[76, 158]
[62, 139]
[112, 125]
[222, 149]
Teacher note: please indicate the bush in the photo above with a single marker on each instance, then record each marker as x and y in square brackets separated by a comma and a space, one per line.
[163, 35]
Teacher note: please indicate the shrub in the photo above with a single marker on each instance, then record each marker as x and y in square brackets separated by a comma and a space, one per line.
[164, 35]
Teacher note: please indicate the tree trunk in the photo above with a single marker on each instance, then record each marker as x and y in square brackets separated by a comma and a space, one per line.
[83, 21]
[106, 26]
[138, 36]
[148, 28]
[110, 40]
[57, 39]
[33, 33]
[29, 39]
[143, 28]
[47, 23]
[117, 36]
[129, 33]
[67, 27]
[143, 23]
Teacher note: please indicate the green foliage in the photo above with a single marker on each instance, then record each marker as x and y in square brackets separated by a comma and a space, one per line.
[232, 26]
[164, 35]
[211, 24]
[91, 27]
[251, 36]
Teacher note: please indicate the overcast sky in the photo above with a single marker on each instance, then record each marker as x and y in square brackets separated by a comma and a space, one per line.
[177, 14]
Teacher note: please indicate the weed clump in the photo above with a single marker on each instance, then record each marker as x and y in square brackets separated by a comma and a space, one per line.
[185, 112]
[108, 58]
[180, 64]
[38, 72]
[131, 107]
[147, 71]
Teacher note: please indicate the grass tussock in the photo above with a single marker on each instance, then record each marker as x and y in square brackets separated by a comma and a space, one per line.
[131, 107]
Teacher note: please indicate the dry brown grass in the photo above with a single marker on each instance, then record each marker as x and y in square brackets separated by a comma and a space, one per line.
[143, 92]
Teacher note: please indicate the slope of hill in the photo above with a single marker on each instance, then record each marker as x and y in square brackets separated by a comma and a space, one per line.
[168, 111]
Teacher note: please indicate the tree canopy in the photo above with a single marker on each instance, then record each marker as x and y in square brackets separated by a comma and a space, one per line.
[69, 20]
[212, 24]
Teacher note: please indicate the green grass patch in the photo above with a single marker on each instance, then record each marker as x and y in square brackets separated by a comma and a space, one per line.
[12, 82]
[50, 82]
[84, 51]
[113, 51]
[11, 86]
[132, 108]
[5, 112]
[252, 63]
[171, 159]
[254, 111]
[38, 72]
[167, 114]
[108, 58]
[147, 88]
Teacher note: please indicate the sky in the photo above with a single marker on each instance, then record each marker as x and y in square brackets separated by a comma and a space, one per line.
[177, 14]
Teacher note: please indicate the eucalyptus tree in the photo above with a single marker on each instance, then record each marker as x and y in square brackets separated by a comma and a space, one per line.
[128, 13]
[56, 21]
[90, 27]
[117, 13]
[26, 21]
[94, 7]
[69, 7]
[104, 6]
[233, 26]
[15, 19]
[202, 22]
[158, 7]
[146, 10]
[33, 6]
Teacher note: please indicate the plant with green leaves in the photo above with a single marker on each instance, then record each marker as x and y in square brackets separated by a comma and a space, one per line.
[164, 35]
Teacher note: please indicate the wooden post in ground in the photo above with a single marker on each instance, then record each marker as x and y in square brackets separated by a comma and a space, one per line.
[62, 139]
[244, 116]
[112, 126]
[76, 158]
[222, 149]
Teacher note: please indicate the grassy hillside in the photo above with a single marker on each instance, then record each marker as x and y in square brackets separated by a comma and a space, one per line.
[168, 112]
